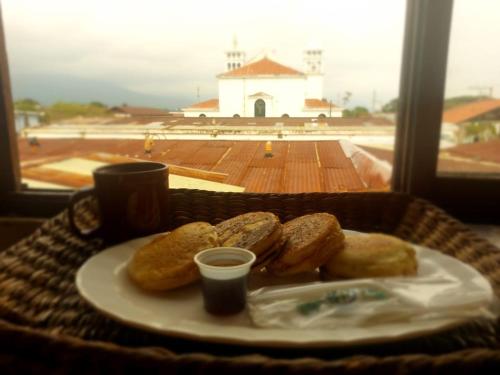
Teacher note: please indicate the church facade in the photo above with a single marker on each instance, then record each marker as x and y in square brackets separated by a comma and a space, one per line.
[266, 88]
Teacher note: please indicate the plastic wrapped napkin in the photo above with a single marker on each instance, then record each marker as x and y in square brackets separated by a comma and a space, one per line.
[444, 288]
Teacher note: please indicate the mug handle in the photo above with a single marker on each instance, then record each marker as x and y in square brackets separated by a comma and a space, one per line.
[80, 194]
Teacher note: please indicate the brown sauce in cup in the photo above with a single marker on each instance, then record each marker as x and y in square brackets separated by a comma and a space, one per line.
[225, 263]
[225, 297]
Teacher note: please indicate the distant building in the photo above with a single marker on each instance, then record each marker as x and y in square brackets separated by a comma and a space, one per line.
[475, 121]
[481, 110]
[27, 119]
[127, 111]
[265, 88]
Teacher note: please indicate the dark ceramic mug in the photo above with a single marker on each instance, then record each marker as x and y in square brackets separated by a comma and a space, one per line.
[132, 200]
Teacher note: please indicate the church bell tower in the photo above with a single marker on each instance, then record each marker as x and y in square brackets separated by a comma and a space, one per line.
[312, 60]
[234, 58]
[313, 67]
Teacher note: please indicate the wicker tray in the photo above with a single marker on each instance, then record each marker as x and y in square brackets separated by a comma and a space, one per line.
[44, 322]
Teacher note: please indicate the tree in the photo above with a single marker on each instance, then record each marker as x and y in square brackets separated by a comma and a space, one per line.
[346, 98]
[64, 110]
[98, 104]
[27, 105]
[392, 106]
[356, 112]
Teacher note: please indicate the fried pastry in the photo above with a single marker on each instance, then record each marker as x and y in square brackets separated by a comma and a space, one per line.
[259, 232]
[372, 255]
[167, 262]
[310, 240]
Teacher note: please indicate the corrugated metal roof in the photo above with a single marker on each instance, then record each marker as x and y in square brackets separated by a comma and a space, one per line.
[302, 152]
[331, 155]
[205, 155]
[196, 166]
[263, 180]
[235, 169]
[75, 180]
[342, 180]
[169, 122]
[279, 151]
[295, 166]
[302, 177]
[242, 150]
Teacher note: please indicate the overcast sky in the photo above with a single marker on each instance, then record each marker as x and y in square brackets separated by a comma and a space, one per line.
[169, 48]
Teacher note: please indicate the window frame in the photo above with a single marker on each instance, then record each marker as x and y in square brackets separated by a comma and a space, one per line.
[421, 97]
[13, 199]
[421, 94]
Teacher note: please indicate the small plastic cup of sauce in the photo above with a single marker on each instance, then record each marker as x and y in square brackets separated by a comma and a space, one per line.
[224, 272]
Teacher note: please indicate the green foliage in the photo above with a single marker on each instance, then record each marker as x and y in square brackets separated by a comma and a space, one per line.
[392, 106]
[481, 131]
[346, 98]
[27, 105]
[98, 104]
[64, 110]
[356, 112]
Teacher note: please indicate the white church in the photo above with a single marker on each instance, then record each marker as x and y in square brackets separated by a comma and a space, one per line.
[265, 88]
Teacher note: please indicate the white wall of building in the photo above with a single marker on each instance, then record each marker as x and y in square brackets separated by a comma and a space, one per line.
[270, 105]
[197, 113]
[336, 112]
[314, 86]
[232, 93]
[284, 96]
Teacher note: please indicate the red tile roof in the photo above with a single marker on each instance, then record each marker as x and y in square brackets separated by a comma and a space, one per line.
[264, 66]
[317, 103]
[207, 104]
[468, 161]
[260, 94]
[470, 111]
[479, 151]
[466, 166]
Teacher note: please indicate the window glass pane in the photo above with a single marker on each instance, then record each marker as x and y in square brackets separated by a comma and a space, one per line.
[287, 97]
[470, 135]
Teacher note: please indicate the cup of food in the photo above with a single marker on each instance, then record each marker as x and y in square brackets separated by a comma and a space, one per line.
[224, 272]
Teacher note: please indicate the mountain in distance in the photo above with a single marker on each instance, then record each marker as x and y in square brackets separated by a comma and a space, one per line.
[47, 89]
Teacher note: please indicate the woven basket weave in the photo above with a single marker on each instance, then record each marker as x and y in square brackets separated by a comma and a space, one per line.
[46, 326]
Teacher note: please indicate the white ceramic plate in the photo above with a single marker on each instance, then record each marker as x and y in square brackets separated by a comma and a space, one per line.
[104, 283]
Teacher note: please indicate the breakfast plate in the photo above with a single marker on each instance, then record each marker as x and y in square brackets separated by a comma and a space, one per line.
[104, 283]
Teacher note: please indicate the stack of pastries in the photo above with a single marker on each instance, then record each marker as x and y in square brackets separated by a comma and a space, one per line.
[304, 244]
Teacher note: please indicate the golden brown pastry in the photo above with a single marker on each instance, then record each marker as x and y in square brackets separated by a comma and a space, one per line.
[372, 255]
[310, 241]
[259, 232]
[167, 262]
